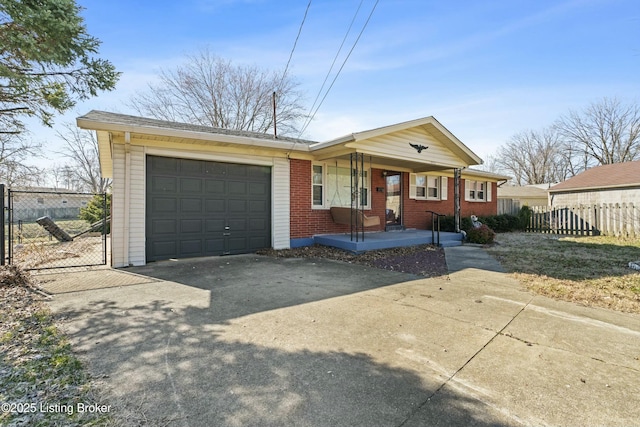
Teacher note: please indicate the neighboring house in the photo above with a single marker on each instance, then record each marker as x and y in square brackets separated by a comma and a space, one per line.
[184, 190]
[614, 183]
[512, 197]
[31, 203]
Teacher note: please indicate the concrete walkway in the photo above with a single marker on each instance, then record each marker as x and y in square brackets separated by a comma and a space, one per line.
[256, 341]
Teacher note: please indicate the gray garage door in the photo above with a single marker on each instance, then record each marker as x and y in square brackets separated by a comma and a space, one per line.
[199, 208]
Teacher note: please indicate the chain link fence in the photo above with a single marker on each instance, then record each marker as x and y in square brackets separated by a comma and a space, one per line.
[52, 229]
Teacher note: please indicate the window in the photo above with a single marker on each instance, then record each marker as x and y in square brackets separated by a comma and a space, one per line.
[332, 186]
[433, 187]
[317, 186]
[421, 186]
[427, 187]
[477, 191]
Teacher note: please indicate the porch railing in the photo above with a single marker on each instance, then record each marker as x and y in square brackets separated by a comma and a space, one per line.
[435, 226]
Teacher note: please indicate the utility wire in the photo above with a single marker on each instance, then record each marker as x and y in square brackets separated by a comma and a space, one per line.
[332, 64]
[304, 18]
[340, 70]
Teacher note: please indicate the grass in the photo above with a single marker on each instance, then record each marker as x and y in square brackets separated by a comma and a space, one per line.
[37, 366]
[590, 270]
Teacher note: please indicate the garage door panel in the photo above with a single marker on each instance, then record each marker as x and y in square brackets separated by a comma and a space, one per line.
[190, 185]
[197, 208]
[191, 226]
[235, 170]
[166, 249]
[237, 188]
[164, 226]
[258, 189]
[164, 184]
[236, 206]
[214, 168]
[215, 225]
[190, 206]
[215, 246]
[237, 244]
[163, 164]
[258, 224]
[191, 167]
[259, 172]
[190, 248]
[164, 204]
[258, 206]
[237, 225]
[215, 186]
[258, 242]
[215, 206]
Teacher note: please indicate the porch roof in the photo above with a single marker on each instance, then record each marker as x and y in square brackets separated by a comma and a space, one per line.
[421, 145]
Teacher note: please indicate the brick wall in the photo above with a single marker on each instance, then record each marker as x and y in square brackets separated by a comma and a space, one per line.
[305, 221]
[414, 210]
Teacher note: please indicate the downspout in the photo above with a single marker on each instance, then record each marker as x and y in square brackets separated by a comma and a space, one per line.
[127, 195]
[456, 198]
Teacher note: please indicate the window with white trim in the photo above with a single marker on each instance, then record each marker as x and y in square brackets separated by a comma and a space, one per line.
[317, 186]
[332, 186]
[477, 191]
[427, 187]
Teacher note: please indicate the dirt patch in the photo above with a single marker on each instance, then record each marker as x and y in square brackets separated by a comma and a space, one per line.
[421, 260]
[86, 250]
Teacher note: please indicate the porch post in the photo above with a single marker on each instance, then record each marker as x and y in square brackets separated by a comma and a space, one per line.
[456, 199]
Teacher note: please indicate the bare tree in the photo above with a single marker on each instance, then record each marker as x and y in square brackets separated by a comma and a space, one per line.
[605, 132]
[14, 150]
[534, 157]
[82, 173]
[211, 91]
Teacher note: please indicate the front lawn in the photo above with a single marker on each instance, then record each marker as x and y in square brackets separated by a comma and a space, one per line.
[593, 271]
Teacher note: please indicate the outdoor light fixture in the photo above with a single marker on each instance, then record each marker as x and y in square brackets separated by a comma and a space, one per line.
[384, 174]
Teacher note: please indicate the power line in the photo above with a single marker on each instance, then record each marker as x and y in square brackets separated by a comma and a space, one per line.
[333, 63]
[340, 70]
[304, 18]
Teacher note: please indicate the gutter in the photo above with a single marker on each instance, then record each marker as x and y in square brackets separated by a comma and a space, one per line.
[202, 136]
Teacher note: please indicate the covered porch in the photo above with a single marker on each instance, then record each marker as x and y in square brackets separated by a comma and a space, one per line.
[388, 239]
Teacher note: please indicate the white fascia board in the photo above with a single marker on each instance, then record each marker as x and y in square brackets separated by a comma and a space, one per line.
[201, 136]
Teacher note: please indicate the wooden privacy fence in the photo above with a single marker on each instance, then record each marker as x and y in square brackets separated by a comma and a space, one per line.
[609, 219]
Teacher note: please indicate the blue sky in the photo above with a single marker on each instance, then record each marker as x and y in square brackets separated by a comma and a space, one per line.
[485, 69]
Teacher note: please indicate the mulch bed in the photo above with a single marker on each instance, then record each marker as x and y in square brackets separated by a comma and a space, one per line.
[421, 260]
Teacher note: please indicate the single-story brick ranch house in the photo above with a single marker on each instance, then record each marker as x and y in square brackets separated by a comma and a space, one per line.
[183, 190]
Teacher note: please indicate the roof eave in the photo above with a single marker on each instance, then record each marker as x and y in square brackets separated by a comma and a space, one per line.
[99, 125]
[600, 187]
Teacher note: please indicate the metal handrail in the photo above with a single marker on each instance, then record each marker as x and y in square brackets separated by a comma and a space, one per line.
[435, 218]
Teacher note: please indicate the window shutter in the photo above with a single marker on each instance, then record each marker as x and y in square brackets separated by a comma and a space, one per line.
[488, 191]
[443, 187]
[466, 189]
[412, 185]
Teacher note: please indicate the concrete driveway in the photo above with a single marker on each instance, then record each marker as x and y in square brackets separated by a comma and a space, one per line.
[255, 341]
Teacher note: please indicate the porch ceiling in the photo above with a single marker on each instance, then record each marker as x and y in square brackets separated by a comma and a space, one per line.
[390, 163]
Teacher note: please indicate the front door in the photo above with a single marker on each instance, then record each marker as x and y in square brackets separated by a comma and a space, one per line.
[393, 206]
